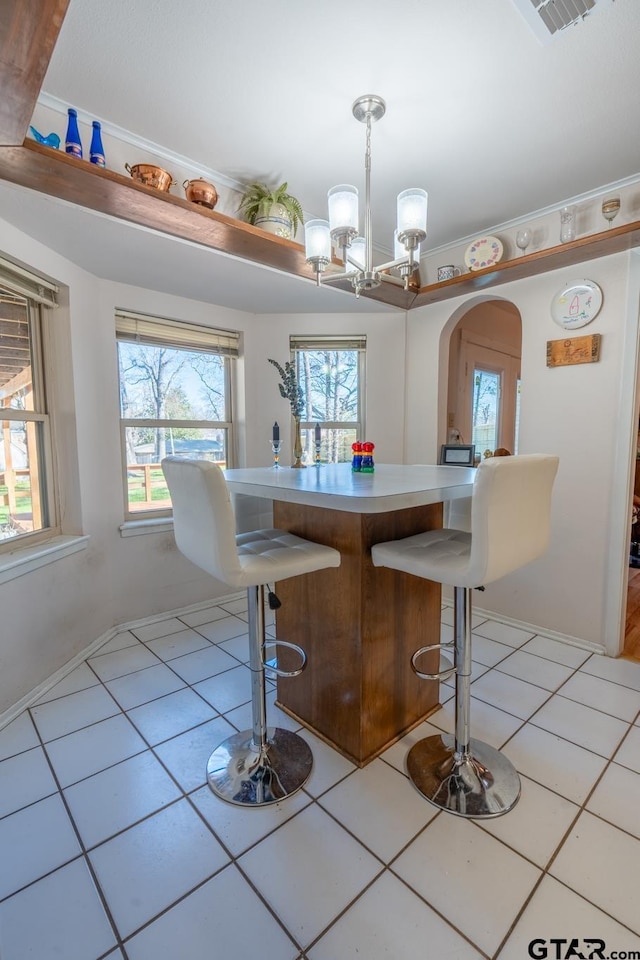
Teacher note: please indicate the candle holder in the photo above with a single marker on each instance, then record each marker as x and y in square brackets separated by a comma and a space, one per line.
[317, 456]
[275, 447]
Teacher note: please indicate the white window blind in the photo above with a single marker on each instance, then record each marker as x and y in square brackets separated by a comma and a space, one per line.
[28, 284]
[140, 328]
[329, 342]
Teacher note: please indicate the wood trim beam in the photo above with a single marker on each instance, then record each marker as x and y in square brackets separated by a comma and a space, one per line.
[28, 33]
[612, 240]
[61, 175]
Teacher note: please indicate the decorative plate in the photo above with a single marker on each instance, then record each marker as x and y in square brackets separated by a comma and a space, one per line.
[576, 304]
[482, 253]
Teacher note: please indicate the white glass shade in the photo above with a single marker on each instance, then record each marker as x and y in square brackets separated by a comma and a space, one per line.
[317, 241]
[343, 208]
[358, 253]
[400, 251]
[412, 211]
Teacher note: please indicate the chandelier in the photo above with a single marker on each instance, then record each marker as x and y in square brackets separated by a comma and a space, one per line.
[341, 228]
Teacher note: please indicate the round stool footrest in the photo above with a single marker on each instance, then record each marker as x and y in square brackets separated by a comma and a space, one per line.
[443, 674]
[272, 664]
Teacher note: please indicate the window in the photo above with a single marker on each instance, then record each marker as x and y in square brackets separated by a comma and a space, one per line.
[175, 399]
[27, 506]
[331, 374]
[489, 379]
[486, 410]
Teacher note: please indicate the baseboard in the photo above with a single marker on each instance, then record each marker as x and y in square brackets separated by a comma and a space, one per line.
[42, 688]
[30, 698]
[179, 611]
[534, 628]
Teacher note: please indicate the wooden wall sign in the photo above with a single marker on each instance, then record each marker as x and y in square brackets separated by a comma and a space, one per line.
[563, 353]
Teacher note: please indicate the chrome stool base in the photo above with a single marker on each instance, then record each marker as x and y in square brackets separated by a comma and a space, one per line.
[240, 772]
[481, 784]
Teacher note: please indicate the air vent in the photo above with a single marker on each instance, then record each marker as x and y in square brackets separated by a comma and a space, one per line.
[548, 17]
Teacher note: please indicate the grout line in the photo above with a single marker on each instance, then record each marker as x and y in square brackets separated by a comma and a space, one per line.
[83, 850]
[233, 860]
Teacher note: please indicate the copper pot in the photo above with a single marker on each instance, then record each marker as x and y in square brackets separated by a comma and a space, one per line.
[202, 192]
[151, 176]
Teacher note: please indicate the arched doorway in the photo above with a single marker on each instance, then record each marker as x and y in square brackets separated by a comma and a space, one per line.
[483, 391]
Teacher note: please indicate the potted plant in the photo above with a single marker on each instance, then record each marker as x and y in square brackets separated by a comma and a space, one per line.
[291, 390]
[275, 211]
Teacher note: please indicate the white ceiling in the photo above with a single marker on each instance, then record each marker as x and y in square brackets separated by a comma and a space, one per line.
[490, 121]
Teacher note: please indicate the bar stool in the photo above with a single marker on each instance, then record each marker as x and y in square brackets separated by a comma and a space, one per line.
[510, 521]
[262, 765]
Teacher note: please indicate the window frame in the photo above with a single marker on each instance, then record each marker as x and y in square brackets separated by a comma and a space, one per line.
[174, 330]
[499, 359]
[46, 464]
[336, 343]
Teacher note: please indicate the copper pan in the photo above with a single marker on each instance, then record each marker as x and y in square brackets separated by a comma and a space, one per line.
[151, 176]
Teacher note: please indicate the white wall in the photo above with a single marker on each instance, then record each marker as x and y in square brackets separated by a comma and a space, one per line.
[50, 615]
[570, 411]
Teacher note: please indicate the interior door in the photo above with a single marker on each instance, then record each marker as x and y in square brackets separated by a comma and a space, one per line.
[489, 382]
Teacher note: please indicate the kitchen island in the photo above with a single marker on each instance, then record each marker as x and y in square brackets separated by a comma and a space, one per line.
[358, 624]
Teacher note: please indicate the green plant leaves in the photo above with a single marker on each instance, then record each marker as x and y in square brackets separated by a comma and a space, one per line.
[258, 197]
[289, 388]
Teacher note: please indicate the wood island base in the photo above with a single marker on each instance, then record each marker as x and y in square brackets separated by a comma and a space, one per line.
[359, 626]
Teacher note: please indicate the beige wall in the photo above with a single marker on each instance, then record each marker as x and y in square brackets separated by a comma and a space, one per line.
[50, 615]
[586, 414]
[576, 412]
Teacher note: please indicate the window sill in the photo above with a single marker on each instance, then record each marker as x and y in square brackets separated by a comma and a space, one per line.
[138, 528]
[26, 559]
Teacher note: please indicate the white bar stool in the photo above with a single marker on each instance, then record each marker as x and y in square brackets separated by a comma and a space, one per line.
[510, 522]
[262, 765]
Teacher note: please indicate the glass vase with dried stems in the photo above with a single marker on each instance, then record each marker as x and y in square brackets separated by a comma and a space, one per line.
[291, 390]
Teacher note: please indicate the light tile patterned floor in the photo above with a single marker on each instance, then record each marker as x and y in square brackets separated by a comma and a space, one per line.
[113, 846]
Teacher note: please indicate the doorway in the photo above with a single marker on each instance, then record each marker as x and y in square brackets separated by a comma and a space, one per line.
[631, 646]
[484, 378]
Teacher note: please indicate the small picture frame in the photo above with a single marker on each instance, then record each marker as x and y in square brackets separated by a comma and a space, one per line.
[457, 454]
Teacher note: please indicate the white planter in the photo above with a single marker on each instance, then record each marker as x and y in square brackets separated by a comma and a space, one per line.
[276, 221]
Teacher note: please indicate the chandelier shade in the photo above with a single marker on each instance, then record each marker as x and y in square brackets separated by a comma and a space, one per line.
[317, 241]
[412, 214]
[343, 210]
[342, 228]
[358, 253]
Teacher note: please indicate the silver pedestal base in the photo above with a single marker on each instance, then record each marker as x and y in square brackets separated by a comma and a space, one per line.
[482, 784]
[241, 773]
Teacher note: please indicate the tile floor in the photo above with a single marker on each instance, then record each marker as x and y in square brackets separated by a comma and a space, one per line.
[114, 847]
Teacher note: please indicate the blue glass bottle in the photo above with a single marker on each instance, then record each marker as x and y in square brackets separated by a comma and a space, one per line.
[73, 144]
[96, 152]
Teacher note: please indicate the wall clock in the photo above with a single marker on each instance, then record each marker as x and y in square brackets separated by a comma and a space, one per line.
[576, 304]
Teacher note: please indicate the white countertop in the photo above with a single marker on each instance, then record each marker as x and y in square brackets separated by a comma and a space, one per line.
[337, 487]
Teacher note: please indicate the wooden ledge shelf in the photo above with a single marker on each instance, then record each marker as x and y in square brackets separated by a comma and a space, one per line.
[77, 181]
[28, 33]
[613, 240]
[60, 175]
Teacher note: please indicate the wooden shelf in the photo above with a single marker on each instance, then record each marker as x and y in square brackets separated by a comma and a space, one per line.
[77, 181]
[27, 39]
[612, 240]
